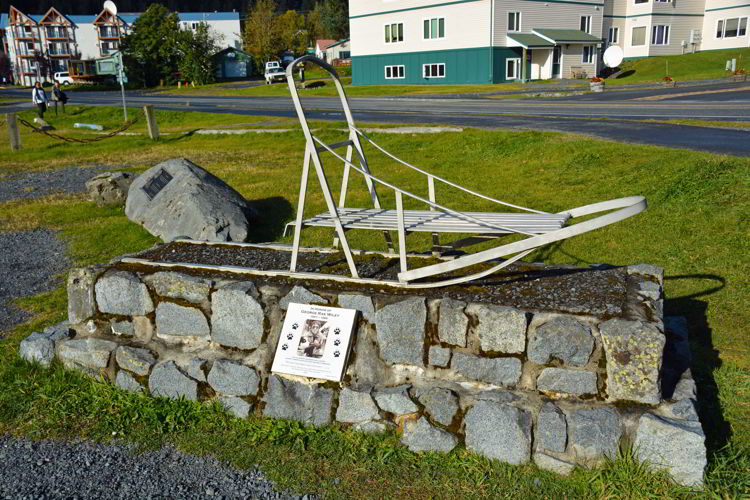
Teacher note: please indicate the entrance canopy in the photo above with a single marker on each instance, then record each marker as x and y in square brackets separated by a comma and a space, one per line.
[556, 37]
[530, 41]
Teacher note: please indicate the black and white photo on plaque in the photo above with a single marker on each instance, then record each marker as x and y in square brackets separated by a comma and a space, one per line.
[315, 341]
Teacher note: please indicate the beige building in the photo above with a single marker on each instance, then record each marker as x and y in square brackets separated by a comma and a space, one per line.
[490, 41]
[473, 41]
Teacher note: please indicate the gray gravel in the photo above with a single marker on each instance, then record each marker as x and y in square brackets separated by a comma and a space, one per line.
[47, 469]
[38, 184]
[31, 262]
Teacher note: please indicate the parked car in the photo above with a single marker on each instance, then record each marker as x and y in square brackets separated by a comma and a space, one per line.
[63, 77]
[272, 64]
[275, 75]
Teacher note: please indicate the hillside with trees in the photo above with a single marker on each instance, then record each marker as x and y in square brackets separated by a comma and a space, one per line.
[95, 6]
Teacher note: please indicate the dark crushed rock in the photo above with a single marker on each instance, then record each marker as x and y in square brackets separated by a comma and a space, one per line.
[48, 469]
[31, 262]
[37, 184]
[600, 291]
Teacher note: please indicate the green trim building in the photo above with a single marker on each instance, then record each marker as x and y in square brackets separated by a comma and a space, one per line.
[473, 41]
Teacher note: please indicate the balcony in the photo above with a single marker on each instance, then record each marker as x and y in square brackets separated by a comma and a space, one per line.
[108, 33]
[20, 34]
[59, 51]
[60, 33]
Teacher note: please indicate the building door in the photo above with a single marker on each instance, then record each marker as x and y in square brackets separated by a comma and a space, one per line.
[556, 66]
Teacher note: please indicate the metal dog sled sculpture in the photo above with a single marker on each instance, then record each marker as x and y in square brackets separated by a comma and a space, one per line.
[540, 228]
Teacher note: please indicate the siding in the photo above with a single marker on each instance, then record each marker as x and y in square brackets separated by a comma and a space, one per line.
[461, 66]
[728, 9]
[466, 26]
[679, 30]
[571, 56]
[553, 15]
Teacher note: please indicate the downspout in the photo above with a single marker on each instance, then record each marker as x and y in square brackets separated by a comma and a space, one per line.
[492, 55]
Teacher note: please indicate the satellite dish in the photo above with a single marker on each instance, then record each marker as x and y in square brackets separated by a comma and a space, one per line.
[613, 56]
[111, 7]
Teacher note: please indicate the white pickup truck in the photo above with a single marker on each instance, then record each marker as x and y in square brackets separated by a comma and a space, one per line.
[274, 74]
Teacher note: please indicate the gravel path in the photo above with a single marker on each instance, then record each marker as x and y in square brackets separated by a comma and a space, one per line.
[38, 184]
[47, 469]
[30, 263]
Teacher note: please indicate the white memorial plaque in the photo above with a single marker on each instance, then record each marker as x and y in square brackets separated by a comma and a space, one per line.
[314, 341]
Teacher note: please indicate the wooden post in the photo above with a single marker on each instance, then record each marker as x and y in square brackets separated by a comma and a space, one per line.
[153, 127]
[13, 132]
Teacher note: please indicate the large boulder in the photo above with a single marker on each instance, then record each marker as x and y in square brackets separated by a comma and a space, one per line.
[109, 188]
[178, 198]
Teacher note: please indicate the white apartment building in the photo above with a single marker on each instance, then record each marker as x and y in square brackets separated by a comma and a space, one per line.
[492, 41]
[62, 39]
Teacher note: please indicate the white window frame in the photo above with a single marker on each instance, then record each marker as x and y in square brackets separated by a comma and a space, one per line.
[395, 67]
[587, 24]
[389, 26]
[592, 51]
[645, 29]
[429, 65]
[666, 33]
[721, 32]
[517, 15]
[613, 40]
[517, 67]
[429, 21]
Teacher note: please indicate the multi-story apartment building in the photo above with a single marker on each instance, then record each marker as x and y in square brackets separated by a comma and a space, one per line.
[60, 39]
[492, 41]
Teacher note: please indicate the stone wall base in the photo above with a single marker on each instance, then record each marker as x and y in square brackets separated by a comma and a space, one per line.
[561, 388]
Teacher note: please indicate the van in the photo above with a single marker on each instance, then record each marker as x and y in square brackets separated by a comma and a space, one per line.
[63, 77]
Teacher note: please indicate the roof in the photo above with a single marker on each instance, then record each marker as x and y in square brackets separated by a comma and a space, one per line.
[340, 42]
[530, 41]
[130, 17]
[323, 44]
[566, 36]
[209, 16]
[232, 49]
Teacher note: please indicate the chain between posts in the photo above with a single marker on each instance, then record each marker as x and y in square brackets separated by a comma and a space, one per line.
[126, 126]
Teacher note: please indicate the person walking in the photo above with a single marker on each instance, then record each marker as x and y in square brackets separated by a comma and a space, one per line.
[39, 98]
[60, 96]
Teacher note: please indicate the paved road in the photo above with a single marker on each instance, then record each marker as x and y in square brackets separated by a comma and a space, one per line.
[620, 115]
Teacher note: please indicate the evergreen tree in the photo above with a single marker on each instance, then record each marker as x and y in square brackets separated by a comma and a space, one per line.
[196, 51]
[335, 18]
[151, 49]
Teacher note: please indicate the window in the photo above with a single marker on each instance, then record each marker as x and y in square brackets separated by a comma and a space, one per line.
[392, 72]
[660, 34]
[194, 26]
[512, 69]
[586, 24]
[394, 33]
[641, 1]
[587, 57]
[614, 35]
[663, 1]
[514, 21]
[434, 28]
[730, 28]
[433, 70]
[639, 36]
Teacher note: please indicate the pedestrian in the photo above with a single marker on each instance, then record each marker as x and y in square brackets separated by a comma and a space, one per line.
[39, 98]
[60, 96]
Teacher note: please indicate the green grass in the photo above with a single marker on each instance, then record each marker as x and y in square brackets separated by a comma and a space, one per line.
[699, 66]
[281, 89]
[696, 227]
